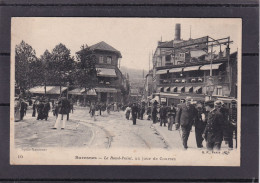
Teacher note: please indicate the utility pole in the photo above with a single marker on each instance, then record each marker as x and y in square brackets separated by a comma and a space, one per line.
[149, 62]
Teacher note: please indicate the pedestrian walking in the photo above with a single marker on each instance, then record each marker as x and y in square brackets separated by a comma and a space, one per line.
[154, 113]
[34, 108]
[213, 132]
[200, 123]
[229, 127]
[127, 112]
[108, 108]
[171, 113]
[115, 107]
[92, 111]
[46, 109]
[64, 107]
[163, 114]
[184, 119]
[40, 112]
[134, 113]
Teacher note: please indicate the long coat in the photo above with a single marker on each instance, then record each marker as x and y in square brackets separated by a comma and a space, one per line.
[134, 111]
[64, 106]
[214, 127]
[185, 115]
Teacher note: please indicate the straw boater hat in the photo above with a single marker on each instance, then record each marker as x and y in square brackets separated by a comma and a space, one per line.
[218, 103]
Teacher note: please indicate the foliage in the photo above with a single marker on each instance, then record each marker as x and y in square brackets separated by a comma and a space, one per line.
[25, 61]
[85, 72]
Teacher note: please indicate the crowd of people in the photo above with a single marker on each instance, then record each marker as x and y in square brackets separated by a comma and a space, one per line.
[210, 119]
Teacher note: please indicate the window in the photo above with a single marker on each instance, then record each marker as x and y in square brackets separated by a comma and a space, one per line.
[101, 60]
[219, 90]
[109, 60]
[168, 58]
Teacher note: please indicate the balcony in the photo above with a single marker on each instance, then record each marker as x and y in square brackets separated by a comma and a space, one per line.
[192, 81]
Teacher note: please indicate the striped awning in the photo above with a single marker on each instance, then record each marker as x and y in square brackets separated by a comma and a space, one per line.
[173, 89]
[166, 89]
[192, 68]
[105, 72]
[179, 69]
[180, 88]
[77, 91]
[208, 67]
[164, 71]
[187, 88]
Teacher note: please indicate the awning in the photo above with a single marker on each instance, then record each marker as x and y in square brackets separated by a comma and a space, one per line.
[197, 88]
[49, 89]
[192, 68]
[169, 94]
[173, 89]
[164, 71]
[106, 72]
[187, 88]
[180, 88]
[166, 89]
[106, 90]
[77, 91]
[175, 70]
[159, 89]
[91, 92]
[207, 67]
[156, 98]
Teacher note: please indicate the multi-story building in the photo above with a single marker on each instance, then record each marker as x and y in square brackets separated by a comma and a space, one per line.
[110, 80]
[188, 68]
[148, 86]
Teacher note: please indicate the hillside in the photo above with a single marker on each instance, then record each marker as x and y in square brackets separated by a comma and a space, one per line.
[136, 76]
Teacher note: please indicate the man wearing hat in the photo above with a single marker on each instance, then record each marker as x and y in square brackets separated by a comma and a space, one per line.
[64, 107]
[184, 118]
[228, 126]
[213, 132]
[163, 115]
[134, 113]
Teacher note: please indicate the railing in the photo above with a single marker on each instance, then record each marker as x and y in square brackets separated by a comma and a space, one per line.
[193, 80]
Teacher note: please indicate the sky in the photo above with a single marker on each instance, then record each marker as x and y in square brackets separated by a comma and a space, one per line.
[135, 38]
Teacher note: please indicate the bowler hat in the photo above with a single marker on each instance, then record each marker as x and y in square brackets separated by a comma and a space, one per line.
[209, 103]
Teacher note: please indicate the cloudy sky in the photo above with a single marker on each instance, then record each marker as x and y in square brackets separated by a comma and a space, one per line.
[135, 38]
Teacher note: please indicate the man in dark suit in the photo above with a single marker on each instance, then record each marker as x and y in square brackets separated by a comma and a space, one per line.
[213, 132]
[199, 123]
[134, 113]
[163, 115]
[184, 118]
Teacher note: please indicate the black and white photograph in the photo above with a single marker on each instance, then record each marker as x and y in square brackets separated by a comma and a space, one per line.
[125, 91]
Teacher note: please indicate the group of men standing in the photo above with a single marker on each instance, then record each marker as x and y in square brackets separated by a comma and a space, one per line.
[136, 111]
[210, 120]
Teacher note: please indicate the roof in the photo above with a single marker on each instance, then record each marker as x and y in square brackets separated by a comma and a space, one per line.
[168, 44]
[105, 47]
[49, 89]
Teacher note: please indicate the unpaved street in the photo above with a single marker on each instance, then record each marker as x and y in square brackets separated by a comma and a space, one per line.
[107, 131]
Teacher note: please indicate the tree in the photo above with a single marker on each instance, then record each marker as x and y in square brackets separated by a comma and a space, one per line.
[59, 65]
[86, 68]
[24, 56]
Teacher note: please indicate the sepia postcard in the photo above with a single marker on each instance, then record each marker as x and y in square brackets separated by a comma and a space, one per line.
[125, 91]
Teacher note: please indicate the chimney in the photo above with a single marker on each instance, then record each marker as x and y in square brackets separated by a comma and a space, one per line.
[177, 32]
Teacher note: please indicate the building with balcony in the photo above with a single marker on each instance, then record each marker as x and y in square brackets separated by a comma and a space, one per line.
[110, 80]
[187, 68]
